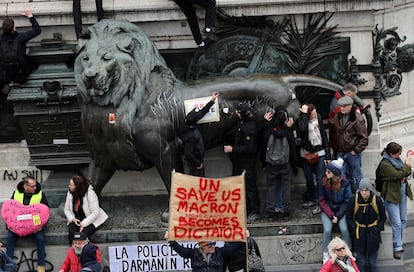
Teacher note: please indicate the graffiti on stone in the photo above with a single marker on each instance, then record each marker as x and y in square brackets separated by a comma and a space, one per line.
[19, 174]
[298, 249]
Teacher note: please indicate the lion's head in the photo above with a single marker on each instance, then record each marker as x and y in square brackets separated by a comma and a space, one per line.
[114, 62]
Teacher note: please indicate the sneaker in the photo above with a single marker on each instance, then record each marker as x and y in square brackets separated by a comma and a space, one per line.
[325, 257]
[308, 204]
[398, 254]
[316, 211]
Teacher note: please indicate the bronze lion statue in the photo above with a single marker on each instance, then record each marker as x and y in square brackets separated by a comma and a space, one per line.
[133, 106]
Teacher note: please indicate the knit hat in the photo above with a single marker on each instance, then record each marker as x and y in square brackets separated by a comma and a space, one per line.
[243, 108]
[335, 166]
[365, 183]
[345, 100]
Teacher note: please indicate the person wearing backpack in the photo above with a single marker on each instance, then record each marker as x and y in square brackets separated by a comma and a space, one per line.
[243, 154]
[278, 155]
[366, 217]
[395, 190]
[14, 64]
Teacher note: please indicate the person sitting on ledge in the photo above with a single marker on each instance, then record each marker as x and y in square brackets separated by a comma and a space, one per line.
[82, 255]
[82, 208]
[29, 193]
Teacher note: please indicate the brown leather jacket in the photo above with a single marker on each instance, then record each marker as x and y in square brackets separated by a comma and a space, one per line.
[353, 136]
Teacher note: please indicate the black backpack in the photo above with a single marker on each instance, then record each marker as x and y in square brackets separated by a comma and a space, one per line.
[10, 56]
[378, 178]
[277, 151]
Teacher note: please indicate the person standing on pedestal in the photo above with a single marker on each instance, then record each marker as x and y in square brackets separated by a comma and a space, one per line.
[187, 7]
[243, 154]
[351, 139]
[77, 17]
[193, 140]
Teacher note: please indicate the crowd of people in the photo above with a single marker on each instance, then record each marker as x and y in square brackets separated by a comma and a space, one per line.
[332, 166]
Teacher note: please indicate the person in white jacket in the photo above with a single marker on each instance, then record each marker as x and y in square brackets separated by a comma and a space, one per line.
[82, 208]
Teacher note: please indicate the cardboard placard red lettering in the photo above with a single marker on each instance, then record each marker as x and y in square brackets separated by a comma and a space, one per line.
[207, 209]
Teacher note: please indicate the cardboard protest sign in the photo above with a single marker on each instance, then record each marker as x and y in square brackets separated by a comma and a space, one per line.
[212, 116]
[207, 209]
[24, 219]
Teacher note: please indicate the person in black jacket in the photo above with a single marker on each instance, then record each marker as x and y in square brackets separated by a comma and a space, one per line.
[366, 217]
[19, 69]
[314, 141]
[193, 140]
[207, 257]
[244, 157]
[278, 176]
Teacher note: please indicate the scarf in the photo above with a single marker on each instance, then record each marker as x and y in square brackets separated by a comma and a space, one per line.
[397, 163]
[345, 264]
[314, 133]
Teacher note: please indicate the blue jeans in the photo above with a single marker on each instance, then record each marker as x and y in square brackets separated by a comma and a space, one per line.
[327, 231]
[352, 168]
[40, 243]
[397, 213]
[366, 261]
[308, 170]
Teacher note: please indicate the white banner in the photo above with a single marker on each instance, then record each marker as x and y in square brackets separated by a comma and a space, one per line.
[147, 257]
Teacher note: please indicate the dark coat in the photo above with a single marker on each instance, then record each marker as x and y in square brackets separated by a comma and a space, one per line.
[279, 133]
[302, 125]
[23, 38]
[198, 262]
[335, 203]
[366, 238]
[245, 141]
[89, 258]
[353, 136]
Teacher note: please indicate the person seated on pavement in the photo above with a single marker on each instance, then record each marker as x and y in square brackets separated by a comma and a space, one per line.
[81, 254]
[206, 256]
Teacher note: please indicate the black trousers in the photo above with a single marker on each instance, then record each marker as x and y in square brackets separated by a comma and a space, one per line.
[77, 18]
[187, 8]
[72, 228]
[252, 192]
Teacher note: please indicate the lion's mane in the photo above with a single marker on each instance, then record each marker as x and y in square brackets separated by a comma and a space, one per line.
[114, 68]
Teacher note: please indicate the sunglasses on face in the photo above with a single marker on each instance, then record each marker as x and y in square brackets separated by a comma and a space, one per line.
[211, 243]
[340, 249]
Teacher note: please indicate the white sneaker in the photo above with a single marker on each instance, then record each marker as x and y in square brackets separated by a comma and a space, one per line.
[325, 257]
